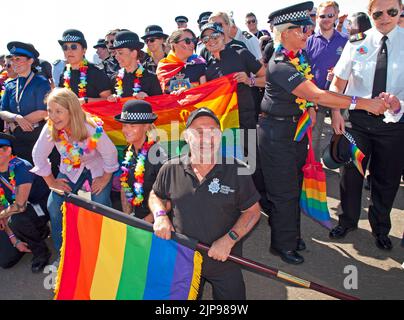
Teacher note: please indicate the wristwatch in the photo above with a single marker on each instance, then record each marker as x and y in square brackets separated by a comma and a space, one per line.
[353, 103]
[233, 235]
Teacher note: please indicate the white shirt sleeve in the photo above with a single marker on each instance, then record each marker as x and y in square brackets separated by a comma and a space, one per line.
[343, 68]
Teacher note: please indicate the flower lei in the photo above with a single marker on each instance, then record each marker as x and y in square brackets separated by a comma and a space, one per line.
[3, 80]
[135, 197]
[83, 78]
[303, 67]
[136, 82]
[71, 153]
[3, 200]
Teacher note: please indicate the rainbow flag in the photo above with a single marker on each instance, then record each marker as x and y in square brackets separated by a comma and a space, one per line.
[302, 126]
[219, 95]
[357, 155]
[313, 198]
[108, 255]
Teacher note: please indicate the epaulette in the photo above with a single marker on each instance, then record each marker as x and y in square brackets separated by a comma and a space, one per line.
[247, 34]
[357, 37]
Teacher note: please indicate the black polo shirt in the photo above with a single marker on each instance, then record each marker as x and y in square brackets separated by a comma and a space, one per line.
[241, 60]
[205, 211]
[97, 81]
[148, 83]
[150, 175]
[281, 79]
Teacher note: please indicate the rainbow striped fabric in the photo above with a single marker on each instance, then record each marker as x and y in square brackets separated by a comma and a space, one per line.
[302, 126]
[107, 255]
[219, 95]
[313, 198]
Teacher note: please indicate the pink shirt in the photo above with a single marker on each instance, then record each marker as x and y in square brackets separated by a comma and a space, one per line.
[102, 159]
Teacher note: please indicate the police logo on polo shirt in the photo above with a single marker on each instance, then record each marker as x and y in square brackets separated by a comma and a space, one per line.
[214, 186]
[339, 51]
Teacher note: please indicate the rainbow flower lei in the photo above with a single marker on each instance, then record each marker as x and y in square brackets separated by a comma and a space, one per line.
[3, 200]
[303, 67]
[135, 197]
[71, 153]
[136, 82]
[83, 78]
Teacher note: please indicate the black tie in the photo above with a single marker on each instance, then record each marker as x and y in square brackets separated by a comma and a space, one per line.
[380, 80]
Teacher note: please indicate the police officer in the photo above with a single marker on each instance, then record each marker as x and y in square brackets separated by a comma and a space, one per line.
[132, 79]
[85, 79]
[211, 202]
[155, 40]
[23, 212]
[182, 22]
[372, 67]
[23, 106]
[103, 55]
[202, 19]
[282, 158]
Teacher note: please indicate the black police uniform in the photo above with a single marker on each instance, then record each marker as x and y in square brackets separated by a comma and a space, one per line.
[29, 226]
[235, 44]
[192, 72]
[206, 211]
[111, 66]
[97, 81]
[148, 83]
[150, 175]
[281, 157]
[150, 65]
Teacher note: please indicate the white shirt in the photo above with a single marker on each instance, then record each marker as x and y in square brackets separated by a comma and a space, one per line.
[251, 42]
[358, 63]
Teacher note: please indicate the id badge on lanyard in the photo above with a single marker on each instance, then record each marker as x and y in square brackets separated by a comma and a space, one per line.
[18, 95]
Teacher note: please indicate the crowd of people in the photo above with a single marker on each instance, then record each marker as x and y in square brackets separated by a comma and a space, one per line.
[312, 61]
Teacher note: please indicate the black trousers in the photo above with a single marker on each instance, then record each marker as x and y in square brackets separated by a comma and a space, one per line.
[9, 255]
[33, 230]
[282, 160]
[383, 143]
[226, 279]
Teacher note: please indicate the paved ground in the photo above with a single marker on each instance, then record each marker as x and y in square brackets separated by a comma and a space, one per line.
[380, 274]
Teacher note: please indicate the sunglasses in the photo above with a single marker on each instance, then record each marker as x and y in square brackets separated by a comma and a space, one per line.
[251, 21]
[213, 36]
[329, 16]
[151, 40]
[73, 47]
[188, 41]
[303, 29]
[391, 12]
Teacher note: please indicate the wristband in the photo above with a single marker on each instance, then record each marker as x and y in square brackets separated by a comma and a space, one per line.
[252, 81]
[353, 103]
[11, 236]
[160, 213]
[233, 235]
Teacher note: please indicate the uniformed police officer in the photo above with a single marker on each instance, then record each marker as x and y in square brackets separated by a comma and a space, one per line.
[372, 67]
[182, 22]
[282, 158]
[85, 79]
[103, 55]
[23, 106]
[211, 203]
[155, 40]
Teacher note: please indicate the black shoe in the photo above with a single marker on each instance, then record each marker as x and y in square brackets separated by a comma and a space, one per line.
[383, 242]
[340, 232]
[301, 245]
[40, 263]
[289, 256]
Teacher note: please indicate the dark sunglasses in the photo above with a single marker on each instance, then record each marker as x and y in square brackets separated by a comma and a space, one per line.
[251, 21]
[151, 40]
[391, 12]
[73, 47]
[329, 16]
[188, 40]
[303, 29]
[213, 36]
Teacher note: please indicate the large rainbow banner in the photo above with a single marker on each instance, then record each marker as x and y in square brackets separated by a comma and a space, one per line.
[108, 255]
[219, 95]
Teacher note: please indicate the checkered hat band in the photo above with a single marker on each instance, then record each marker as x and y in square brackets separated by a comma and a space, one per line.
[136, 116]
[154, 31]
[290, 17]
[69, 38]
[119, 43]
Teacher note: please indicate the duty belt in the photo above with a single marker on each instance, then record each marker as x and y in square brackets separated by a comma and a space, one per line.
[279, 118]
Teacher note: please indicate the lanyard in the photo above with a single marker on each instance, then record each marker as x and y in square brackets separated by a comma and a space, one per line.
[7, 183]
[18, 96]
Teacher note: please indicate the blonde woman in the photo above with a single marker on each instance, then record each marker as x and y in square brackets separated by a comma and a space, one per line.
[143, 158]
[85, 150]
